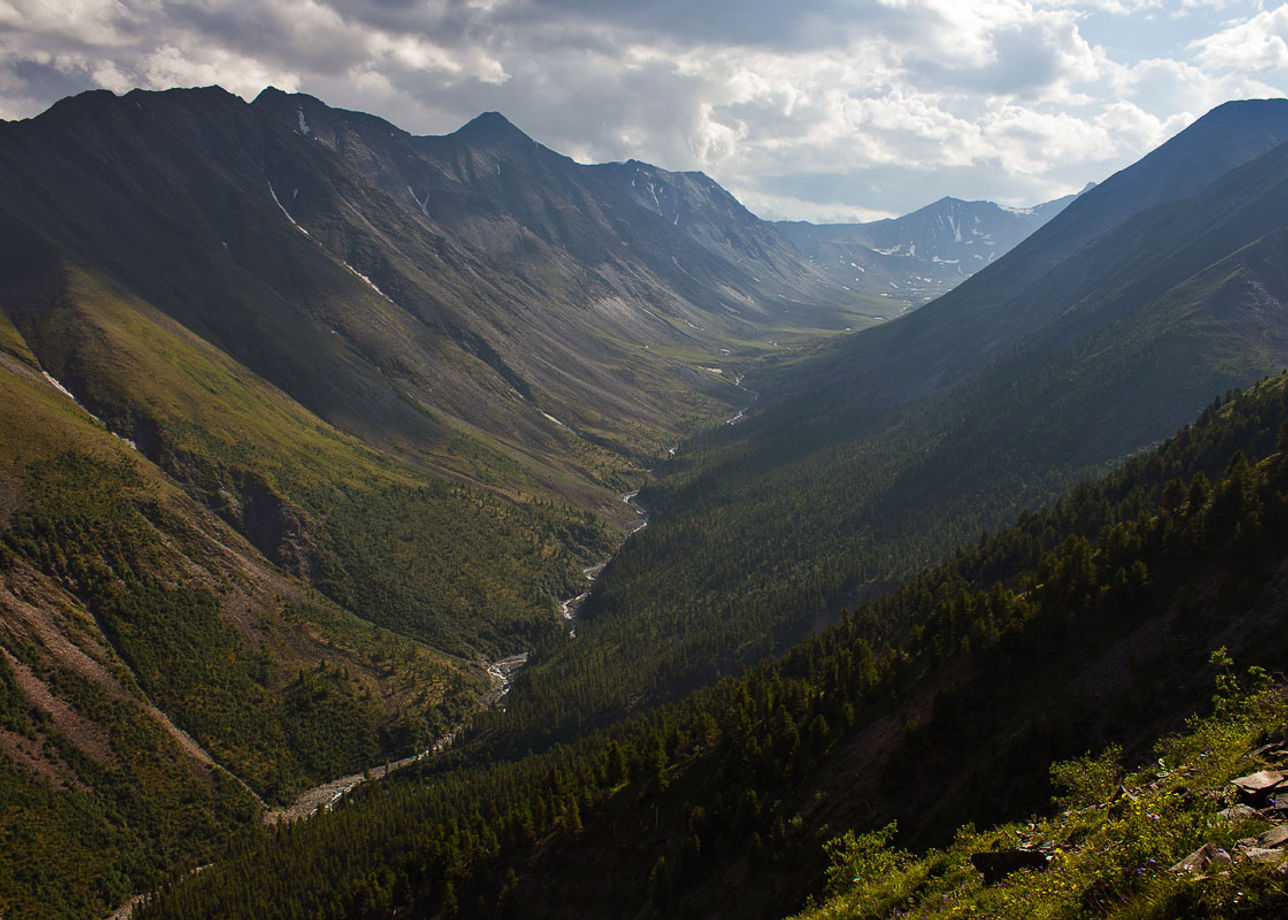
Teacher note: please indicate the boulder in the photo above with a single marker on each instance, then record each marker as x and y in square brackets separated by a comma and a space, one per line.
[1274, 838]
[1207, 855]
[1257, 788]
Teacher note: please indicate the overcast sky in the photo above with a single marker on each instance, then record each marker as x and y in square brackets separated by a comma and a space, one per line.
[818, 109]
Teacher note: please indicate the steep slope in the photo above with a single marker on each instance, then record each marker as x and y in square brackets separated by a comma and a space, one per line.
[1087, 624]
[919, 256]
[843, 481]
[996, 308]
[159, 678]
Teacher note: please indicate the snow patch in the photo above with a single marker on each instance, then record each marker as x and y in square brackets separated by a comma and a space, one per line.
[555, 420]
[423, 205]
[60, 388]
[371, 284]
[282, 208]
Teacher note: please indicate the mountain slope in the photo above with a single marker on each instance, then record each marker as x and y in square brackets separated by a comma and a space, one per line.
[875, 457]
[996, 308]
[157, 672]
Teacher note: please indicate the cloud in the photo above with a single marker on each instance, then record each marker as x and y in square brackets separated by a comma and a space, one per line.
[819, 108]
[1258, 44]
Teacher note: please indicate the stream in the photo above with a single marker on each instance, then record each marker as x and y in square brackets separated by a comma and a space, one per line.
[500, 673]
[568, 608]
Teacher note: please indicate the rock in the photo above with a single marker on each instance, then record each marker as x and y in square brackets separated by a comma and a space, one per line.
[1270, 857]
[998, 864]
[1236, 813]
[1257, 787]
[1274, 838]
[1200, 859]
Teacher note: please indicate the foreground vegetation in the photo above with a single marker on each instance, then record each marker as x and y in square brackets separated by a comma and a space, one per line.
[1115, 847]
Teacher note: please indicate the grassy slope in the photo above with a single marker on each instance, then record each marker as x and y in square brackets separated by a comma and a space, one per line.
[122, 594]
[1112, 845]
[442, 563]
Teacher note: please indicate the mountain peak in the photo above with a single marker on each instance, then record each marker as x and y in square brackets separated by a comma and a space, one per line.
[491, 128]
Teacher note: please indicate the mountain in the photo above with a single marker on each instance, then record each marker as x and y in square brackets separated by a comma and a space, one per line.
[921, 255]
[286, 461]
[309, 419]
[1017, 296]
[874, 457]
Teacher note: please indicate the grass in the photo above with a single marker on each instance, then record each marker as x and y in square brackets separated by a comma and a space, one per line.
[1112, 844]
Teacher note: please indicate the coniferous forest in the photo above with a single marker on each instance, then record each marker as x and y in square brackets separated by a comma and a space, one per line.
[875, 720]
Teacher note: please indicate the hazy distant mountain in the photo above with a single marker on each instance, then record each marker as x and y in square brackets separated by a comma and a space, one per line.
[1051, 271]
[921, 255]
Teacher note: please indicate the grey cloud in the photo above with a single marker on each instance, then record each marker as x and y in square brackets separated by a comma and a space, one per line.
[1026, 59]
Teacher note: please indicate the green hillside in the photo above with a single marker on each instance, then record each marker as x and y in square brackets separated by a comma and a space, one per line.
[132, 605]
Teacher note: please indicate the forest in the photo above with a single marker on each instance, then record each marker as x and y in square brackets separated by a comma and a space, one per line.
[731, 796]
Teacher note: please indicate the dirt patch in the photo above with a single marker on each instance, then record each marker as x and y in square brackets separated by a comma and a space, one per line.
[34, 612]
[29, 754]
[91, 738]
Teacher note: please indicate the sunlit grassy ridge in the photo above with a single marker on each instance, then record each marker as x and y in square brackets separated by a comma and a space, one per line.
[1114, 843]
[459, 568]
[124, 585]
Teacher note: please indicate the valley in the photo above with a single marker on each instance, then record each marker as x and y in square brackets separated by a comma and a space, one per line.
[561, 539]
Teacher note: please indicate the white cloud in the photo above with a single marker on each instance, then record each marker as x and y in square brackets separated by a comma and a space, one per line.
[1257, 44]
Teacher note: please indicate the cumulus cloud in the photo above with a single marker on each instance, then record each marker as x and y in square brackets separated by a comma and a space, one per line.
[822, 108]
[1258, 44]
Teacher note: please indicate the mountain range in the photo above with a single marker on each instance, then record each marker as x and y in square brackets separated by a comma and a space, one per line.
[924, 254]
[309, 419]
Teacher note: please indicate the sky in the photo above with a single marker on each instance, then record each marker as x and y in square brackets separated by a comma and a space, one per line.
[821, 110]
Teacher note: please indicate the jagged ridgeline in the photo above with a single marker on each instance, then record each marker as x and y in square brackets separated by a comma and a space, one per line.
[1084, 625]
[1097, 336]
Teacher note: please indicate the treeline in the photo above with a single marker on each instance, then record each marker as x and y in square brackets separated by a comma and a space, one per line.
[1084, 624]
